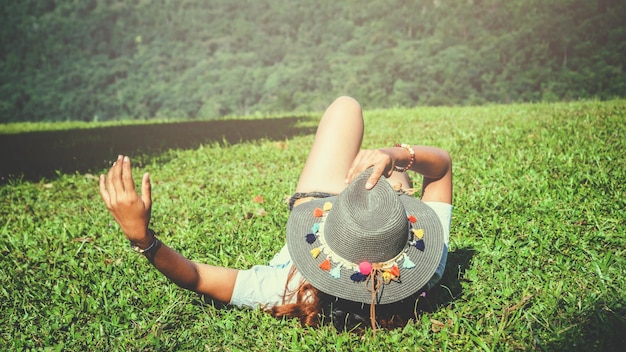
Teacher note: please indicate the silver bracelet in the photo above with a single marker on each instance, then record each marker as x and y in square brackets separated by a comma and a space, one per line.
[155, 242]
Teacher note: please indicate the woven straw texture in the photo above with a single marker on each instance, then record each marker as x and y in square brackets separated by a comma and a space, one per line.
[367, 226]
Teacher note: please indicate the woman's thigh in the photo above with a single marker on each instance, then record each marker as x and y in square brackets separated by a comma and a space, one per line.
[337, 142]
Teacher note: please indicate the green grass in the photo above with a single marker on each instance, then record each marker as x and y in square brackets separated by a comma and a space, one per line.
[537, 245]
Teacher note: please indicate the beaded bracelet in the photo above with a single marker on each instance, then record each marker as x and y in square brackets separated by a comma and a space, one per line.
[409, 148]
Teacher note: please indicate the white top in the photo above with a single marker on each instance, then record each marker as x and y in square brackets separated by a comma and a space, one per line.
[264, 285]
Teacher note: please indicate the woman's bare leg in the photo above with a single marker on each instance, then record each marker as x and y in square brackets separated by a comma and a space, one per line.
[337, 141]
[401, 180]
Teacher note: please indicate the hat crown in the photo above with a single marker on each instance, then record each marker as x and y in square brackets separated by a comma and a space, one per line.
[367, 225]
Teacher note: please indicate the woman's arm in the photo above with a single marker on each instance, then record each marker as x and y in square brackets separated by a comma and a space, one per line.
[214, 281]
[132, 213]
[434, 164]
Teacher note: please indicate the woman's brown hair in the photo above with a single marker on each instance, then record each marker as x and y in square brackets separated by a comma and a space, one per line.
[313, 308]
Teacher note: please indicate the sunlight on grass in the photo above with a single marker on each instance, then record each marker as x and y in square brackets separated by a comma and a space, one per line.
[537, 245]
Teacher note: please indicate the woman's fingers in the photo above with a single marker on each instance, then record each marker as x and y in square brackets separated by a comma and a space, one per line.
[377, 171]
[109, 183]
[381, 162]
[116, 189]
[103, 191]
[353, 171]
[146, 191]
[127, 175]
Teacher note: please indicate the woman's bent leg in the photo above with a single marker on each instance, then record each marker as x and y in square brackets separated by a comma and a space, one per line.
[337, 142]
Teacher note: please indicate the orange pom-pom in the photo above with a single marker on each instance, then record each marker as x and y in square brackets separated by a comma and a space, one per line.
[412, 219]
[318, 212]
[325, 265]
[395, 271]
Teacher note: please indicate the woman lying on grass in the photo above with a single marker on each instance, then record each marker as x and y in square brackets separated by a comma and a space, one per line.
[358, 247]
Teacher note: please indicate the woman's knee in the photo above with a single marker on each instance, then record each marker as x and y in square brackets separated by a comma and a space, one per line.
[345, 109]
[346, 102]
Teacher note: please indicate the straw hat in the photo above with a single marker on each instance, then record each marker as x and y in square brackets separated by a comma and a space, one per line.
[372, 246]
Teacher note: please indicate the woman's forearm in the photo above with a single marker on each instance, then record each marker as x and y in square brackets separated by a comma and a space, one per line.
[216, 282]
[174, 266]
[431, 162]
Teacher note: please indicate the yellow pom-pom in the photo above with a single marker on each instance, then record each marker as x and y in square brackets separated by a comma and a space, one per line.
[327, 206]
[419, 233]
[315, 252]
[387, 276]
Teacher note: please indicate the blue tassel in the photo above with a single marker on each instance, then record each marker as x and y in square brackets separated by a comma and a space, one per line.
[310, 238]
[315, 227]
[358, 277]
[420, 245]
[336, 272]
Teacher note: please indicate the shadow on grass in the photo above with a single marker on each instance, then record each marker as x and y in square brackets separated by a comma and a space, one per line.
[449, 288]
[33, 156]
[602, 328]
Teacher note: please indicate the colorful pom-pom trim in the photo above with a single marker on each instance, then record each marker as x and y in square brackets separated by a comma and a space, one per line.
[395, 271]
[315, 252]
[310, 238]
[365, 268]
[407, 263]
[418, 233]
[358, 277]
[325, 265]
[387, 277]
[389, 270]
[336, 272]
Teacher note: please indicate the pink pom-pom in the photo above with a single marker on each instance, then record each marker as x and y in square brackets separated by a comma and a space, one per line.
[365, 268]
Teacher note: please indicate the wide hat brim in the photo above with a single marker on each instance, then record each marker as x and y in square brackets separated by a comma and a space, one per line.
[411, 280]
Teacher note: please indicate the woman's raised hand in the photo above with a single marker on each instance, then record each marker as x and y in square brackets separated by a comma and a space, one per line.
[380, 160]
[131, 211]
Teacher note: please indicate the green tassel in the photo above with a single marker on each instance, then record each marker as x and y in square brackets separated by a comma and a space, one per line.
[408, 263]
[336, 272]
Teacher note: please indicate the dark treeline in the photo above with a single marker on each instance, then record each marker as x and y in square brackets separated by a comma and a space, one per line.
[119, 59]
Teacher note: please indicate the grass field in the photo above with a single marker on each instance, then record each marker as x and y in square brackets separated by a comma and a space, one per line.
[538, 241]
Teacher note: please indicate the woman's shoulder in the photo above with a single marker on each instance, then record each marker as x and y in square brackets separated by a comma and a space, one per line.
[261, 286]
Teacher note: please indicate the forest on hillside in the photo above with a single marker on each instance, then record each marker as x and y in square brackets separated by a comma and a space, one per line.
[139, 59]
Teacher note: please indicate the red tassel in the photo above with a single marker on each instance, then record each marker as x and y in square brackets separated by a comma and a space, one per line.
[325, 265]
[412, 219]
[318, 212]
